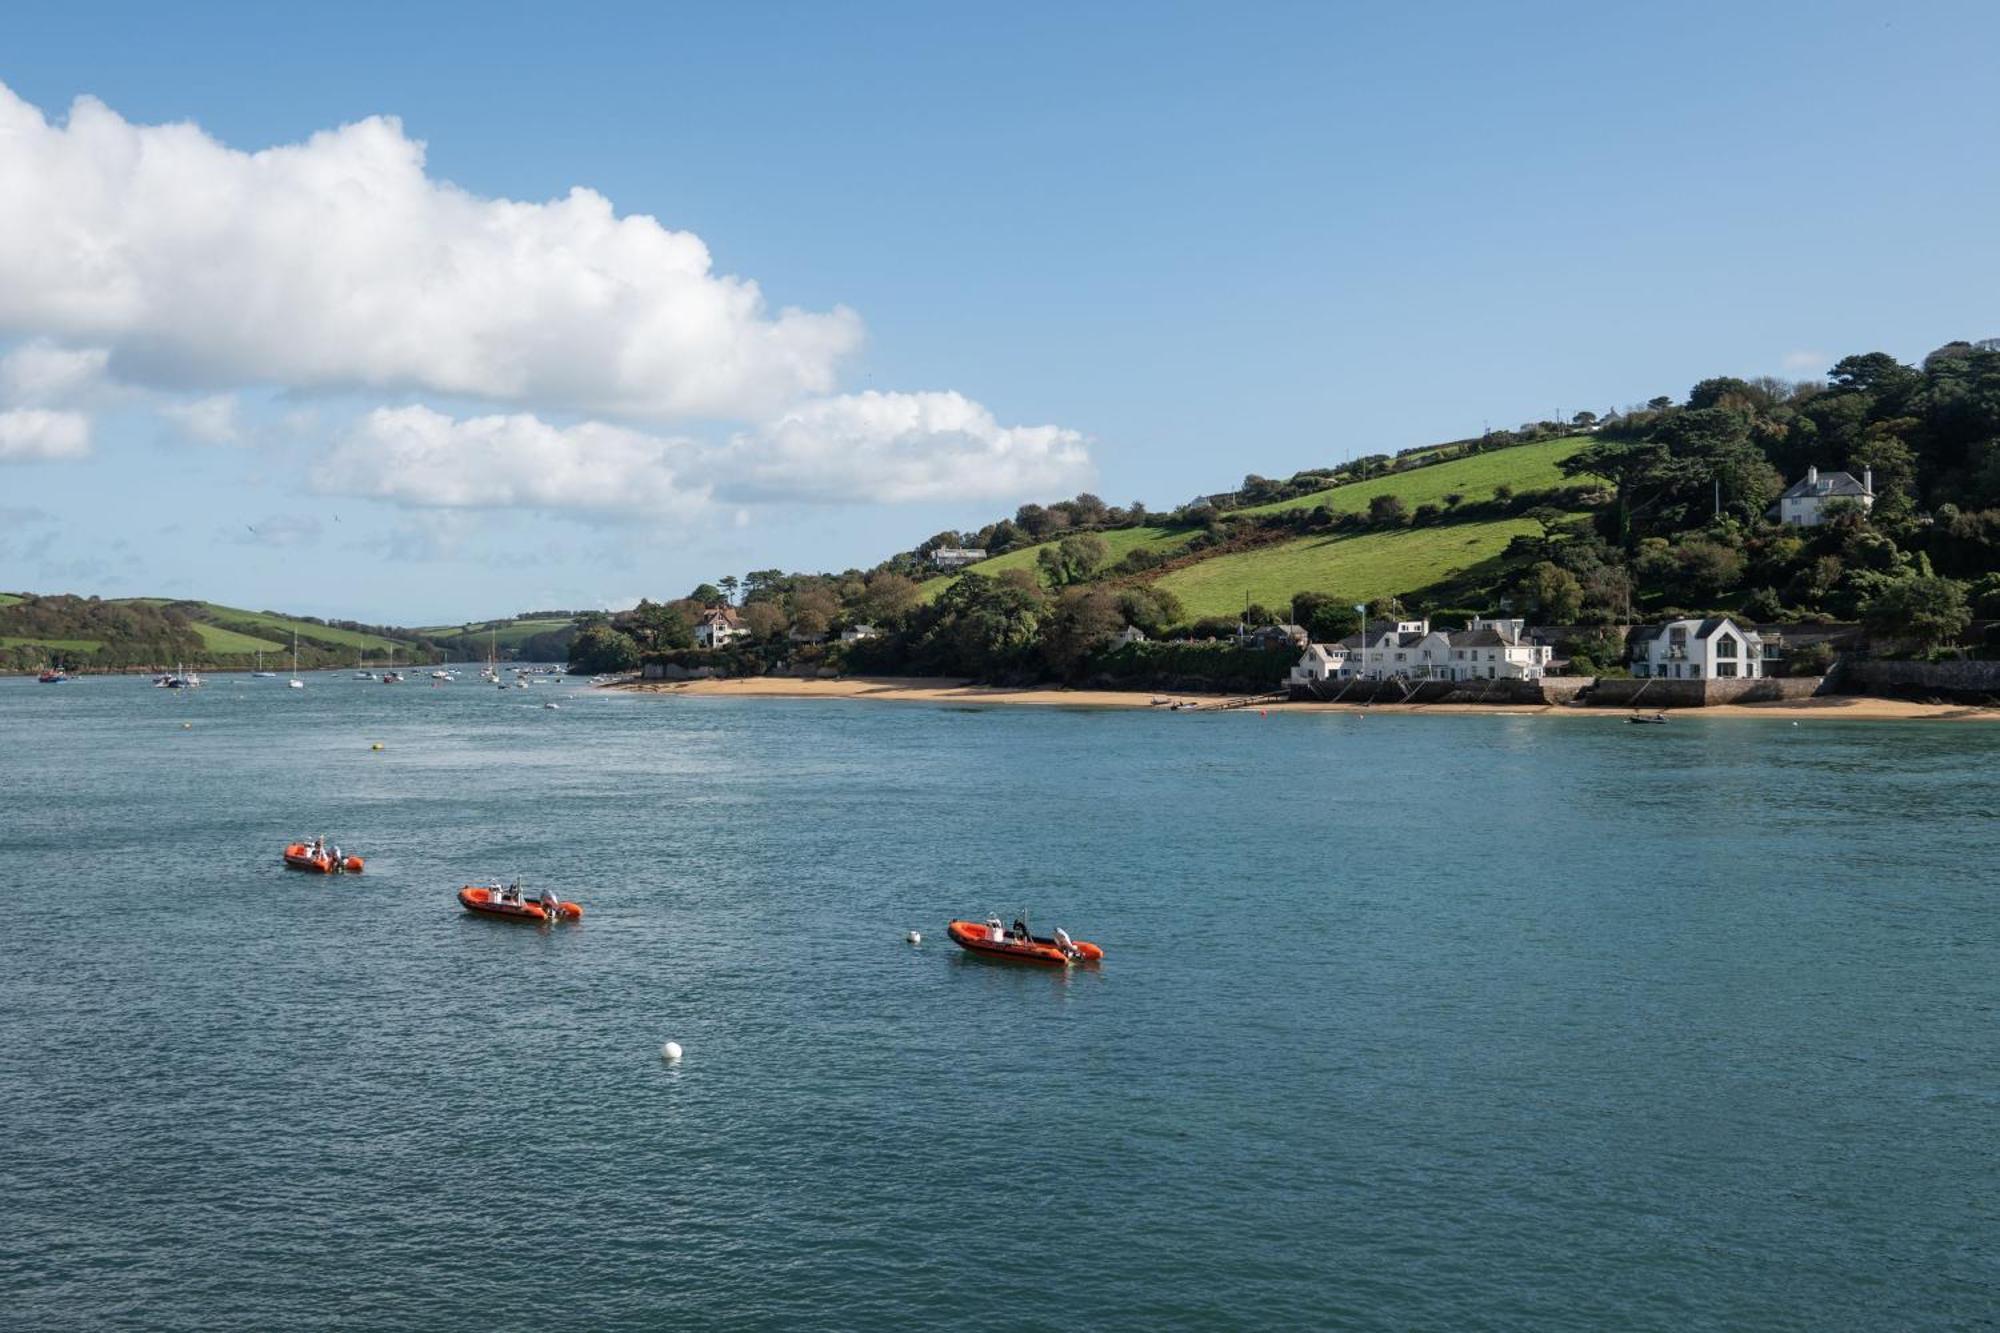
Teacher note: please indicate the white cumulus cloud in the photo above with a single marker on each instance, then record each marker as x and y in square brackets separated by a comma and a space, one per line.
[899, 447]
[155, 262]
[30, 434]
[340, 263]
[870, 447]
[419, 456]
[210, 420]
[39, 373]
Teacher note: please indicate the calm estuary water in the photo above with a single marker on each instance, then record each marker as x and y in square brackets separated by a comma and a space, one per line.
[1530, 1023]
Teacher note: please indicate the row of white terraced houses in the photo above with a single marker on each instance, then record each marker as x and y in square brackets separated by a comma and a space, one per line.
[1715, 648]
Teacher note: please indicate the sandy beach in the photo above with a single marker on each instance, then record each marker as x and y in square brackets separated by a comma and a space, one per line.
[936, 690]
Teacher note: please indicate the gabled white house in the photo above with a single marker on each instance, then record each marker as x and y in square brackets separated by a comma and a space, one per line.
[955, 557]
[1130, 634]
[1716, 648]
[718, 625]
[856, 633]
[1487, 649]
[1804, 502]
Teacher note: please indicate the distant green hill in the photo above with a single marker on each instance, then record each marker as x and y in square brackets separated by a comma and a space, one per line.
[129, 632]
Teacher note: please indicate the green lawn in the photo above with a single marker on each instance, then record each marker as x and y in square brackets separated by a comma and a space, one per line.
[1122, 542]
[227, 641]
[8, 599]
[60, 645]
[1359, 568]
[1527, 467]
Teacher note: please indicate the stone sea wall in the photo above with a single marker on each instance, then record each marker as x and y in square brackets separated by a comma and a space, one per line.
[1570, 690]
[1655, 693]
[1955, 682]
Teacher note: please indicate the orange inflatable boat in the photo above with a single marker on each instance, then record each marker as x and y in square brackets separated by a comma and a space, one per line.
[485, 900]
[301, 857]
[989, 940]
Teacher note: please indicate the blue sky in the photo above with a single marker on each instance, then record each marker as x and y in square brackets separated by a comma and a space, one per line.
[1193, 241]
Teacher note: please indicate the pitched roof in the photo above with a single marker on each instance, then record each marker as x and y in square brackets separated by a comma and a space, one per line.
[1830, 485]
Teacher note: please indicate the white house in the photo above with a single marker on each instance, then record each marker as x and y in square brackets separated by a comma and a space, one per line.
[953, 557]
[856, 633]
[1804, 502]
[1487, 649]
[718, 625]
[1713, 649]
[1130, 634]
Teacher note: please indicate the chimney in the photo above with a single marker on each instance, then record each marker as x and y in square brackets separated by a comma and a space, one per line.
[1812, 475]
[1868, 480]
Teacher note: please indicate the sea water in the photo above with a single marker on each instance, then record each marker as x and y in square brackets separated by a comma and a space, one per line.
[1405, 1021]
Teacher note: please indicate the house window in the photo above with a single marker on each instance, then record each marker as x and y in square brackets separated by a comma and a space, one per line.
[1725, 647]
[1401, 656]
[1725, 670]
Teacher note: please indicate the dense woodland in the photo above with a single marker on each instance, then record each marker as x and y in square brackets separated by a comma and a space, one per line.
[108, 634]
[1665, 512]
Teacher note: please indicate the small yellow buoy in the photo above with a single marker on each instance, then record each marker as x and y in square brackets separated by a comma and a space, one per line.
[376, 746]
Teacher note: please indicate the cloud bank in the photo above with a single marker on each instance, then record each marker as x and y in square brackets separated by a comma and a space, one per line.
[158, 260]
[35, 433]
[419, 456]
[339, 263]
[901, 447]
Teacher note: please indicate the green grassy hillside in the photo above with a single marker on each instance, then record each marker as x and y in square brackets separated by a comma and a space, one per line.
[264, 629]
[1360, 567]
[1122, 541]
[1526, 467]
[227, 641]
[59, 645]
[1435, 559]
[507, 635]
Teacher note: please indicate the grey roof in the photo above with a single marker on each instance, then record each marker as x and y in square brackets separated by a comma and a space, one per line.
[1479, 638]
[1830, 485]
[1703, 629]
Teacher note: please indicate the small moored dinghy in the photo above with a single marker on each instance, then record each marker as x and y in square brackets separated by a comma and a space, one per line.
[512, 904]
[989, 940]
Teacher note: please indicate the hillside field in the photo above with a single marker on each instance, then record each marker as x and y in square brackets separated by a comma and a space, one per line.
[227, 641]
[1525, 467]
[1360, 567]
[264, 631]
[507, 635]
[58, 645]
[1122, 542]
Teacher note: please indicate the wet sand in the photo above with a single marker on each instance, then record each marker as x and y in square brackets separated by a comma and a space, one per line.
[931, 689]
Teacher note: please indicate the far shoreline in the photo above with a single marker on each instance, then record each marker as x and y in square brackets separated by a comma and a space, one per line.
[947, 690]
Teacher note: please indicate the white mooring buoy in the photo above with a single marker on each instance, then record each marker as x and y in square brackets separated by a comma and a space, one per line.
[670, 1052]
[914, 938]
